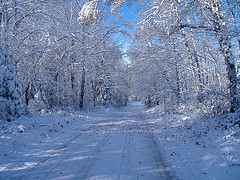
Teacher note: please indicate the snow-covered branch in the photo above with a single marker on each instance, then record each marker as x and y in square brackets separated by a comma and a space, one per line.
[89, 13]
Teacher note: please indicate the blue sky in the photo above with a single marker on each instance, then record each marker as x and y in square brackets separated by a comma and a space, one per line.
[129, 14]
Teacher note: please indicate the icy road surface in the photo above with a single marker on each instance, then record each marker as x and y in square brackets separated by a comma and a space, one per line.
[113, 145]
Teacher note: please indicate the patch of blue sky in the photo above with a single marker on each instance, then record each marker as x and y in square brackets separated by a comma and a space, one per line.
[129, 14]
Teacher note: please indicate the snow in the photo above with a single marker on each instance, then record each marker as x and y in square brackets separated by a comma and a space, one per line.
[128, 143]
[89, 13]
[200, 148]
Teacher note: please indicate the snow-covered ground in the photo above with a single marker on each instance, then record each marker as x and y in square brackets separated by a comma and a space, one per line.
[199, 148]
[130, 143]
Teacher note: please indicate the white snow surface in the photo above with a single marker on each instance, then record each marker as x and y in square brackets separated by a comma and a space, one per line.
[88, 13]
[128, 143]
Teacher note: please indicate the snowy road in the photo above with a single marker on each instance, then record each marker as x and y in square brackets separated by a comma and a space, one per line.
[116, 145]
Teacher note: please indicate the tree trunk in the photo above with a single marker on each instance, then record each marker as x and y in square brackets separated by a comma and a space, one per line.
[178, 85]
[222, 34]
[225, 46]
[82, 93]
[73, 85]
[26, 94]
[94, 91]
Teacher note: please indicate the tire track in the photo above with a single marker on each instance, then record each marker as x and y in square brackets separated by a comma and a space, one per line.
[166, 171]
[70, 155]
[59, 149]
[92, 157]
[125, 158]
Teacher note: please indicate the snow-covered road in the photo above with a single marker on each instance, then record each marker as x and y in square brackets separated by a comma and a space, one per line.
[116, 145]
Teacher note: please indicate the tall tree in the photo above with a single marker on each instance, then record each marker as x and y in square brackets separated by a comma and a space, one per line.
[10, 92]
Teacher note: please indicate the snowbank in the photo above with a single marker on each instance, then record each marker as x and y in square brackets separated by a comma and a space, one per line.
[200, 148]
[29, 132]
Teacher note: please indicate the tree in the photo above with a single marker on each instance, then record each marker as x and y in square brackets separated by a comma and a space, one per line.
[10, 94]
[188, 22]
[60, 60]
[10, 91]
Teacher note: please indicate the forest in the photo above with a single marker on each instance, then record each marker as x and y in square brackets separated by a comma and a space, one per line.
[120, 89]
[184, 54]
